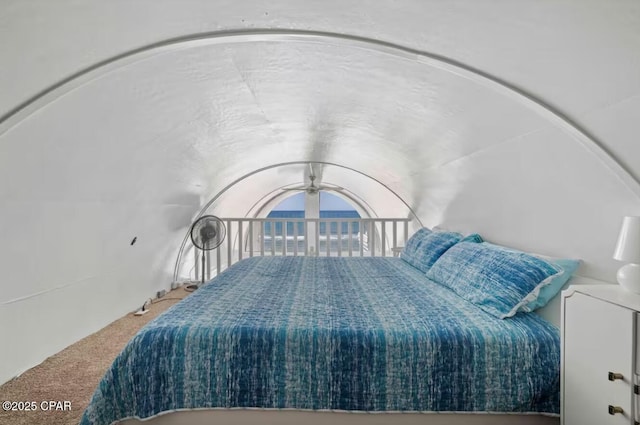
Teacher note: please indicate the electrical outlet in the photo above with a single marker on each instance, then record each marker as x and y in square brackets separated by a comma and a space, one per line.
[161, 293]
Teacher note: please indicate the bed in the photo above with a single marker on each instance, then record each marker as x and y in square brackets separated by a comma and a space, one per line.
[306, 335]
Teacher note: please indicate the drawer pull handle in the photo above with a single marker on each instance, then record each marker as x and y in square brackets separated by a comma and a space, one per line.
[613, 376]
[636, 390]
[615, 409]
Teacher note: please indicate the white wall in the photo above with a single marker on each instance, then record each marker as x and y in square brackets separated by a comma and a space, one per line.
[136, 145]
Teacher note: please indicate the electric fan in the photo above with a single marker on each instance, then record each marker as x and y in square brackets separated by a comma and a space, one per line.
[207, 233]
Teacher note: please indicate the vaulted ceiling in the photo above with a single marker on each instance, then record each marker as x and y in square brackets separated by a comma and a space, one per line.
[518, 120]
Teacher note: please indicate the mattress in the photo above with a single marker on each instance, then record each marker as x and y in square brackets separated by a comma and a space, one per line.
[331, 333]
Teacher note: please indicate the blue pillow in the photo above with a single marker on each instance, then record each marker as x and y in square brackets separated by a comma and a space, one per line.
[473, 237]
[424, 249]
[410, 251]
[547, 292]
[497, 279]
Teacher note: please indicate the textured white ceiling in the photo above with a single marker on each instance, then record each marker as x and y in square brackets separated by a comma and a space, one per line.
[518, 120]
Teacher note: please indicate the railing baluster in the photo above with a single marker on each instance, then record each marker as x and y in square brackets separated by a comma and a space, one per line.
[196, 261]
[240, 239]
[273, 238]
[318, 240]
[295, 238]
[250, 238]
[361, 233]
[383, 238]
[218, 261]
[339, 236]
[261, 236]
[284, 238]
[317, 248]
[349, 240]
[406, 232]
[395, 236]
[327, 230]
[208, 267]
[372, 238]
[229, 244]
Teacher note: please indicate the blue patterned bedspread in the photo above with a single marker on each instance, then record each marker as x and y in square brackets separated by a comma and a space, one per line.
[367, 334]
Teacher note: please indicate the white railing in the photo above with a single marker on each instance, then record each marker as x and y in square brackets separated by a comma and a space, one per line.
[250, 237]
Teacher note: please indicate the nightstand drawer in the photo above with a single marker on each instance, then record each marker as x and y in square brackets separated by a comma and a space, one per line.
[598, 356]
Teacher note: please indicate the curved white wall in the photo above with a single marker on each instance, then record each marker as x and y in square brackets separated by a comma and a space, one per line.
[407, 93]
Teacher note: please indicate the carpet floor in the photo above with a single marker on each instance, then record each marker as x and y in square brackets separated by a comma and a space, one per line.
[73, 374]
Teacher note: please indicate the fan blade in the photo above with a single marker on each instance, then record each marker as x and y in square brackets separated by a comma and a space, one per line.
[297, 187]
[207, 232]
[336, 188]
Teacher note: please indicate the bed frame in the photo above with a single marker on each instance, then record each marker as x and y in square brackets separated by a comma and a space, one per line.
[296, 417]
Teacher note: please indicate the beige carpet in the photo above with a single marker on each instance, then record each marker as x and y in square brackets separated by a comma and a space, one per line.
[73, 374]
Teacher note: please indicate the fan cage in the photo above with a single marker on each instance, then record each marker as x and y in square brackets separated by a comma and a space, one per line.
[208, 233]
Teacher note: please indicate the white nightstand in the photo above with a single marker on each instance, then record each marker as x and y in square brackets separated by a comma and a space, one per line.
[600, 367]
